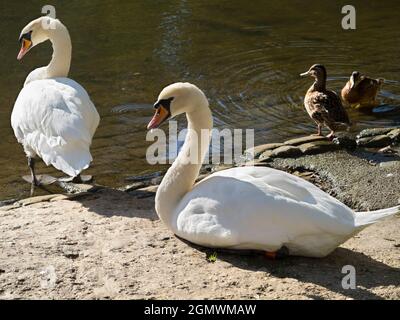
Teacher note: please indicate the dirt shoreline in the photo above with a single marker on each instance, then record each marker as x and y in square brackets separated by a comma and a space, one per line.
[110, 244]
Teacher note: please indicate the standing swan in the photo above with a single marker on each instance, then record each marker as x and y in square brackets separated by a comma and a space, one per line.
[53, 116]
[251, 208]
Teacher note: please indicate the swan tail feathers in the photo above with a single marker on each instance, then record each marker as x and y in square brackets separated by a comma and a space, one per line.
[364, 219]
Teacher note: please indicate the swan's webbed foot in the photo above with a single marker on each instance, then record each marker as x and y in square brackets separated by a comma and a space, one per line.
[77, 179]
[82, 179]
[37, 181]
[40, 182]
[280, 254]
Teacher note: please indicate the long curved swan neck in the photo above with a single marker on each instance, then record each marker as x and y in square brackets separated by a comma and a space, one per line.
[183, 173]
[62, 51]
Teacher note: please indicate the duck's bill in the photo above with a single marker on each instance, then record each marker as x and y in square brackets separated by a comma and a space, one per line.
[159, 118]
[25, 47]
[304, 74]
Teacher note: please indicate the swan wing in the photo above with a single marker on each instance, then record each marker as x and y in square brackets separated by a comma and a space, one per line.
[254, 207]
[56, 120]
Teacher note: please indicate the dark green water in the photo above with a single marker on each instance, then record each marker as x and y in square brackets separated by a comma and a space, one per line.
[246, 55]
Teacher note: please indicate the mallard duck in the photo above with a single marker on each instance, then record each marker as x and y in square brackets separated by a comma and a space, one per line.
[324, 106]
[245, 208]
[361, 91]
[53, 116]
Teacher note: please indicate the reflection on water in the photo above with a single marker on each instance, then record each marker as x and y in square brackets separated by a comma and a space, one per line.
[246, 58]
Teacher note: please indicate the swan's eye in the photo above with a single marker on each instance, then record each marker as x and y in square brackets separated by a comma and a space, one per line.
[166, 103]
[26, 36]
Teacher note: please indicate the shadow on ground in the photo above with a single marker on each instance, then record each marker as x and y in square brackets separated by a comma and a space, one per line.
[111, 203]
[325, 272]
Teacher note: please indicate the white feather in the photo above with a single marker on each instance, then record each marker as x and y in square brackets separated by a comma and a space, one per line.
[56, 120]
[53, 116]
[249, 207]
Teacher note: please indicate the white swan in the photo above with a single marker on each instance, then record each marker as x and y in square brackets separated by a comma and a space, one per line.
[53, 116]
[251, 208]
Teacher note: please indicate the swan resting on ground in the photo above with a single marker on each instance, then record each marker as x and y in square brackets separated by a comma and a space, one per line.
[252, 208]
[53, 116]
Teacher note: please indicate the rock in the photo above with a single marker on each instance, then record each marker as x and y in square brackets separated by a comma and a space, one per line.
[389, 164]
[79, 187]
[258, 150]
[374, 132]
[147, 177]
[221, 167]
[387, 150]
[70, 254]
[374, 142]
[257, 163]
[156, 181]
[266, 156]
[395, 135]
[134, 186]
[287, 152]
[345, 141]
[74, 196]
[7, 202]
[318, 147]
[302, 140]
[30, 201]
[11, 207]
[202, 177]
[59, 198]
[152, 189]
[143, 193]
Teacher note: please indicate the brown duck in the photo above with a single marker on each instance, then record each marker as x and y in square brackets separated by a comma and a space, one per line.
[361, 91]
[324, 106]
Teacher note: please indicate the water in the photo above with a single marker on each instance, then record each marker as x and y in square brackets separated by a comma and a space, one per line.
[247, 57]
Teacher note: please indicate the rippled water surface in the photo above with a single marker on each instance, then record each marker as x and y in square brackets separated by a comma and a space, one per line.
[245, 55]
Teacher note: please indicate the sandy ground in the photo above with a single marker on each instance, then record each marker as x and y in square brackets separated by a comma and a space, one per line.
[111, 245]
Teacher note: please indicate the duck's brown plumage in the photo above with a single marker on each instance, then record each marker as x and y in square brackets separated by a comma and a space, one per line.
[324, 106]
[361, 91]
